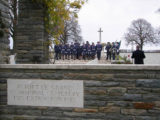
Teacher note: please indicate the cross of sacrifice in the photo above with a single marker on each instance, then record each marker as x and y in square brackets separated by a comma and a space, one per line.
[100, 31]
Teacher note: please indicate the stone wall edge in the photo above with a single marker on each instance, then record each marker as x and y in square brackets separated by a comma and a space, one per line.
[80, 66]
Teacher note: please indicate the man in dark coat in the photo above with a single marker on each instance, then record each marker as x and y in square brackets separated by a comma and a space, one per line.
[98, 49]
[93, 50]
[138, 56]
[108, 49]
[56, 49]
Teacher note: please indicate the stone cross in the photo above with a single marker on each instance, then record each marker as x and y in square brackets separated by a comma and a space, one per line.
[100, 31]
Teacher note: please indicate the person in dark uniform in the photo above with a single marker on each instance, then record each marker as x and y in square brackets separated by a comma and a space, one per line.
[68, 51]
[138, 56]
[87, 44]
[89, 51]
[117, 45]
[98, 49]
[108, 51]
[60, 49]
[113, 51]
[72, 47]
[56, 50]
[93, 50]
[63, 51]
[78, 51]
[74, 51]
[84, 50]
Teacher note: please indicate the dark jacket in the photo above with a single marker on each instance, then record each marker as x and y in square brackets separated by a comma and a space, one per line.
[138, 56]
[98, 47]
[56, 48]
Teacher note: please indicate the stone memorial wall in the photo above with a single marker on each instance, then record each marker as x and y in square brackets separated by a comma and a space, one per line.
[103, 92]
[4, 31]
[51, 93]
[31, 38]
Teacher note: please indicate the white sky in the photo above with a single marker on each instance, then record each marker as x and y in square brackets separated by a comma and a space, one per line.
[114, 17]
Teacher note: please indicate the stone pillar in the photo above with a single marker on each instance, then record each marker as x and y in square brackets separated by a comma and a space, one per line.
[31, 38]
[4, 32]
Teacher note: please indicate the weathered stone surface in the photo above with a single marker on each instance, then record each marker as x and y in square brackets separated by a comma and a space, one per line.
[151, 97]
[99, 83]
[3, 86]
[96, 92]
[133, 112]
[117, 117]
[95, 103]
[85, 110]
[28, 112]
[145, 118]
[157, 104]
[116, 91]
[121, 103]
[110, 109]
[52, 113]
[132, 97]
[148, 83]
[134, 90]
[4, 39]
[31, 36]
[142, 105]
[104, 99]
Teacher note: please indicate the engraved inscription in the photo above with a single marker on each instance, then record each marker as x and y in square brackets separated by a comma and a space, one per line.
[58, 93]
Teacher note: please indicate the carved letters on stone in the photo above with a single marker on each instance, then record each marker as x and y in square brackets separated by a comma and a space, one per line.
[36, 92]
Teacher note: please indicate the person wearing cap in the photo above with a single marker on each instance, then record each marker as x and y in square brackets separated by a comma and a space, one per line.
[138, 56]
[98, 49]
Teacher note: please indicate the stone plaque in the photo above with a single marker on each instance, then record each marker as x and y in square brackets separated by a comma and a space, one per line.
[36, 92]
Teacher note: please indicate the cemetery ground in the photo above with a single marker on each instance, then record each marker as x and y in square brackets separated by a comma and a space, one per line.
[95, 61]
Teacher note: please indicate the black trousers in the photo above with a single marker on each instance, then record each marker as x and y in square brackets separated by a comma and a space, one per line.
[108, 56]
[99, 55]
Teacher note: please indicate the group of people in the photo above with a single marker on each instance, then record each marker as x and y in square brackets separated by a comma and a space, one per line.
[88, 51]
[112, 50]
[76, 51]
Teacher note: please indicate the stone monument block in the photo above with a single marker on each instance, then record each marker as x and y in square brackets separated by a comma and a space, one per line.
[35, 92]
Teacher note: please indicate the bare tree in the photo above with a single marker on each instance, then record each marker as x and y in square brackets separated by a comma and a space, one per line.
[72, 31]
[141, 32]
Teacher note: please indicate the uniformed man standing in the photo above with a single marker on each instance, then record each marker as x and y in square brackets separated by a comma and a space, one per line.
[56, 50]
[72, 47]
[108, 51]
[74, 51]
[98, 49]
[113, 51]
[68, 51]
[84, 50]
[93, 50]
[63, 51]
[138, 56]
[89, 51]
[60, 49]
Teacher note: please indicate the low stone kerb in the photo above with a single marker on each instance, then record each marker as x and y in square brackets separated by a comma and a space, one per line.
[81, 66]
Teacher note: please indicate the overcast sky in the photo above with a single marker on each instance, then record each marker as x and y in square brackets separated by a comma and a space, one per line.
[114, 17]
